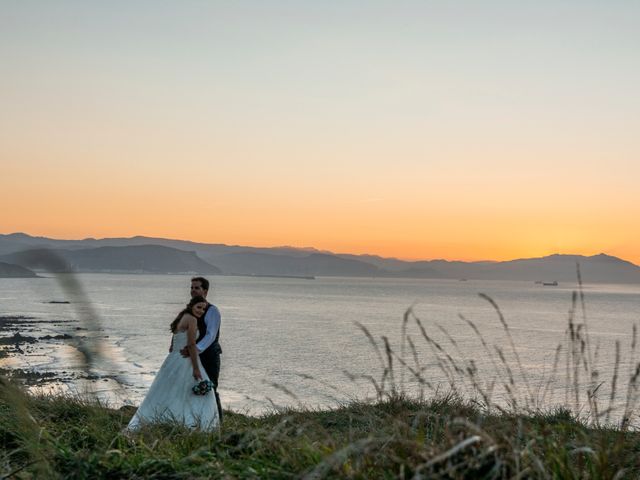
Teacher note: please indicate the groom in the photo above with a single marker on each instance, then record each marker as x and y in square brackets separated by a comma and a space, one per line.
[207, 343]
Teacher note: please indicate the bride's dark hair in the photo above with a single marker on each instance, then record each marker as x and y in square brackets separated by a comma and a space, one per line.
[194, 301]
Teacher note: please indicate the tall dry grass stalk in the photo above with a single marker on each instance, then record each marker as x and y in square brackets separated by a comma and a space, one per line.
[506, 386]
[30, 437]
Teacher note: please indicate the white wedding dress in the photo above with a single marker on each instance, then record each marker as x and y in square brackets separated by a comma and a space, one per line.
[170, 398]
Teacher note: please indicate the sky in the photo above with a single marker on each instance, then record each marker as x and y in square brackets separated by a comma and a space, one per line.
[461, 130]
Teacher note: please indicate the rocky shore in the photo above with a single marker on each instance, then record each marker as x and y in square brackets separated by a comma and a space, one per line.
[29, 357]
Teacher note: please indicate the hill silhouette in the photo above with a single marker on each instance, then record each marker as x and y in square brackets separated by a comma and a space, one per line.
[138, 258]
[145, 254]
[9, 270]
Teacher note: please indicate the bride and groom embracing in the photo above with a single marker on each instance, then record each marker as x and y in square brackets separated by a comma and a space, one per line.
[180, 390]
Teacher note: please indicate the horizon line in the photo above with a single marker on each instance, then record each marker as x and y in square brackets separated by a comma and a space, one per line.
[314, 249]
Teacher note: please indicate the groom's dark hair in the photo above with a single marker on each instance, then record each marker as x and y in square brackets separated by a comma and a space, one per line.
[204, 283]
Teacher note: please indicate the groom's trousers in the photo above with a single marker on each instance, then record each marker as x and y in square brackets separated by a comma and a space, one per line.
[211, 362]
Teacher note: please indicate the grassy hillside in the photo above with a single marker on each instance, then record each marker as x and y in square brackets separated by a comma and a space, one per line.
[62, 437]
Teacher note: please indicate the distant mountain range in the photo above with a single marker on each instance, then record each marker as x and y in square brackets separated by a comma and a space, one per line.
[159, 255]
[136, 259]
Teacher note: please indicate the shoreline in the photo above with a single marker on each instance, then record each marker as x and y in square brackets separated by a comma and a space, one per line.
[45, 361]
[50, 363]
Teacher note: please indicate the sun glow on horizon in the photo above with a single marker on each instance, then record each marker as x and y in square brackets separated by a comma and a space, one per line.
[362, 128]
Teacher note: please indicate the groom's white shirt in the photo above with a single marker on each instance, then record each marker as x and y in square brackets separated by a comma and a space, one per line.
[212, 321]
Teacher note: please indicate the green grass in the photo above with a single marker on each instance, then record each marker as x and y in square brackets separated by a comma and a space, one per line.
[398, 437]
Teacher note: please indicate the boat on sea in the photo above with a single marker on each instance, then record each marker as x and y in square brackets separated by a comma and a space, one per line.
[550, 284]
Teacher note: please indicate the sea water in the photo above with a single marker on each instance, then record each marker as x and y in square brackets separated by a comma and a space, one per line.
[289, 341]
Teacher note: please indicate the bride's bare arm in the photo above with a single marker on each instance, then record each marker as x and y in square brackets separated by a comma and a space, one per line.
[192, 334]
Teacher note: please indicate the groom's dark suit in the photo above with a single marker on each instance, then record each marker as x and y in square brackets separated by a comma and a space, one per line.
[210, 356]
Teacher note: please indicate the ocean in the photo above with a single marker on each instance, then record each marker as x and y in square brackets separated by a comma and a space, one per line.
[289, 341]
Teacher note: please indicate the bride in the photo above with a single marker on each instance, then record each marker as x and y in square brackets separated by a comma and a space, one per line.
[170, 397]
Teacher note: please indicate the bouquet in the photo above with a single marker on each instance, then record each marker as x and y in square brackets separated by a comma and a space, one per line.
[202, 387]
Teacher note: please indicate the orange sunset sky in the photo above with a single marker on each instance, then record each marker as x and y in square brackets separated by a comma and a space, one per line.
[414, 129]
